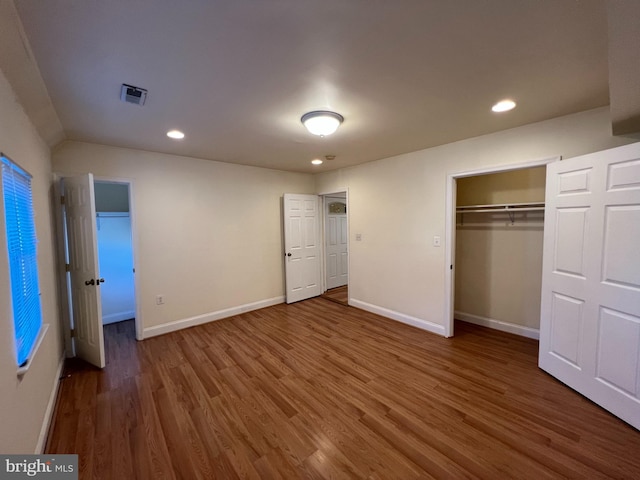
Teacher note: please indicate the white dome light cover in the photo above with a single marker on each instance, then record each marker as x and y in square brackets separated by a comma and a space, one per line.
[321, 122]
[504, 106]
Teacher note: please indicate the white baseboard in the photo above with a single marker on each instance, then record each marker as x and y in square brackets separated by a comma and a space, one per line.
[118, 317]
[209, 317]
[48, 414]
[400, 317]
[498, 325]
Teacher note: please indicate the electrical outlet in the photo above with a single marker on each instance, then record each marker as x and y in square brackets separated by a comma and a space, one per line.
[159, 299]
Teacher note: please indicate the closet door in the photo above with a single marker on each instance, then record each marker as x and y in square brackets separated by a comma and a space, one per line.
[590, 311]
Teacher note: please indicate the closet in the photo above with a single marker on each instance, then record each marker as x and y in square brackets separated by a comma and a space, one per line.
[115, 251]
[499, 235]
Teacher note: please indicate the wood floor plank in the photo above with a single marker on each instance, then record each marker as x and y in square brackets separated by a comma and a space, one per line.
[320, 390]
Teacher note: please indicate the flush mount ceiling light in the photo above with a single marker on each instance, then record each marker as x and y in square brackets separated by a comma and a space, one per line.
[175, 134]
[503, 106]
[321, 122]
[316, 161]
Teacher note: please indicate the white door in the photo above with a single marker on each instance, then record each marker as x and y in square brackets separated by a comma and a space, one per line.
[302, 250]
[590, 312]
[80, 214]
[336, 237]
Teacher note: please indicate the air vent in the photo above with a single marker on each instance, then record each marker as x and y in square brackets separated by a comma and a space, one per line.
[131, 94]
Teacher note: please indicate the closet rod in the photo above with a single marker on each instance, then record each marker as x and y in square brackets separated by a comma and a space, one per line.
[501, 210]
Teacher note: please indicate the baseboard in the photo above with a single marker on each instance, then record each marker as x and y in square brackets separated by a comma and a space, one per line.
[209, 317]
[400, 317]
[118, 317]
[48, 414]
[498, 325]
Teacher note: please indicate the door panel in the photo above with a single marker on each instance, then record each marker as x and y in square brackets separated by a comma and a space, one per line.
[83, 260]
[302, 247]
[336, 245]
[590, 314]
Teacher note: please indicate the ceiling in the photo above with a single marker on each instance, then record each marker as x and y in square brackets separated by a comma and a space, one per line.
[236, 76]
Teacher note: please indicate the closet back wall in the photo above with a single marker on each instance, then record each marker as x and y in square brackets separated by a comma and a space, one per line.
[499, 265]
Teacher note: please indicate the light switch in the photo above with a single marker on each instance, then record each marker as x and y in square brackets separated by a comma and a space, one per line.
[436, 241]
[358, 237]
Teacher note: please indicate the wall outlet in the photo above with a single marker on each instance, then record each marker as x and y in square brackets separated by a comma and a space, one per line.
[159, 299]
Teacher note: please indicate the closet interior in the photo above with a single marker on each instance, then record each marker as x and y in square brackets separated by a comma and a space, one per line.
[499, 235]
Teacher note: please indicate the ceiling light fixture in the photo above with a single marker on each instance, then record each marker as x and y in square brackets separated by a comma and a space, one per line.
[316, 161]
[175, 134]
[503, 106]
[321, 122]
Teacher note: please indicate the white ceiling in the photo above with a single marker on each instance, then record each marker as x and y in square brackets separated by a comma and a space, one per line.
[236, 76]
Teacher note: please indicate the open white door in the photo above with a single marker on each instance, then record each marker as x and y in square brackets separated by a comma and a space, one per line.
[590, 313]
[302, 249]
[80, 214]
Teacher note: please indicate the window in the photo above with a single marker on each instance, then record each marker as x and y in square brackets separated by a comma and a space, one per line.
[23, 265]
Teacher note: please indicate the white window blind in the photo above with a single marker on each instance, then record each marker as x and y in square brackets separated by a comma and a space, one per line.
[22, 251]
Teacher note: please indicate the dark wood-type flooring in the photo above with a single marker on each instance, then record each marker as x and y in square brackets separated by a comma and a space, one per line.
[318, 390]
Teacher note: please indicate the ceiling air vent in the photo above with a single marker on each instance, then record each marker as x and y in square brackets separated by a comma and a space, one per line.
[131, 94]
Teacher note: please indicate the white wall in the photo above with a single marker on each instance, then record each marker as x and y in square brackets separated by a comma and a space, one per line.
[208, 235]
[398, 205]
[24, 401]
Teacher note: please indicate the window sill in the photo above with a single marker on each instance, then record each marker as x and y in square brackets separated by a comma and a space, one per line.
[43, 331]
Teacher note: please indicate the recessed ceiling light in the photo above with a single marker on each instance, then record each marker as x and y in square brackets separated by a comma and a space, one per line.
[175, 134]
[504, 106]
[316, 161]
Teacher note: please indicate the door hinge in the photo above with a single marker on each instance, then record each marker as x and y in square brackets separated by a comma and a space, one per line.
[61, 199]
[67, 267]
[72, 333]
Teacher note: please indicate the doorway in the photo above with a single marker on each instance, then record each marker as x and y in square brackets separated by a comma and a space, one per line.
[84, 279]
[452, 218]
[336, 247]
[115, 252]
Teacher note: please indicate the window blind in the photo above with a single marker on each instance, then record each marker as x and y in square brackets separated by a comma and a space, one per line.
[22, 251]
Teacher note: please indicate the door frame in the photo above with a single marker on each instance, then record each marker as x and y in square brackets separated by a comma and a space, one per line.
[65, 309]
[134, 242]
[450, 227]
[322, 196]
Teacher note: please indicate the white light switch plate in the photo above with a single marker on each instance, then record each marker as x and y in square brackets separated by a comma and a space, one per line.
[436, 241]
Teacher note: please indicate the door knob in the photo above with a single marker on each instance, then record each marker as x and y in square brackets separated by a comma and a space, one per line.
[288, 254]
[90, 282]
[99, 281]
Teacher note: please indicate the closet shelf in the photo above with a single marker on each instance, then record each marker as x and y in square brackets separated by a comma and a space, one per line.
[502, 207]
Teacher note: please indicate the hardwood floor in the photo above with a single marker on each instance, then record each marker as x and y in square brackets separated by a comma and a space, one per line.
[318, 390]
[338, 294]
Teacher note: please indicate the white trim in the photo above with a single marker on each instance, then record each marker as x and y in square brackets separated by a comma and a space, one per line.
[499, 325]
[450, 227]
[48, 414]
[118, 317]
[209, 317]
[44, 328]
[134, 245]
[400, 317]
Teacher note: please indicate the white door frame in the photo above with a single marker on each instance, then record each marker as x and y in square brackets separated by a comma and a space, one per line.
[65, 311]
[134, 243]
[450, 228]
[329, 193]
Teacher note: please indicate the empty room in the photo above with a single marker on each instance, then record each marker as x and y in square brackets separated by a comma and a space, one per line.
[320, 239]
